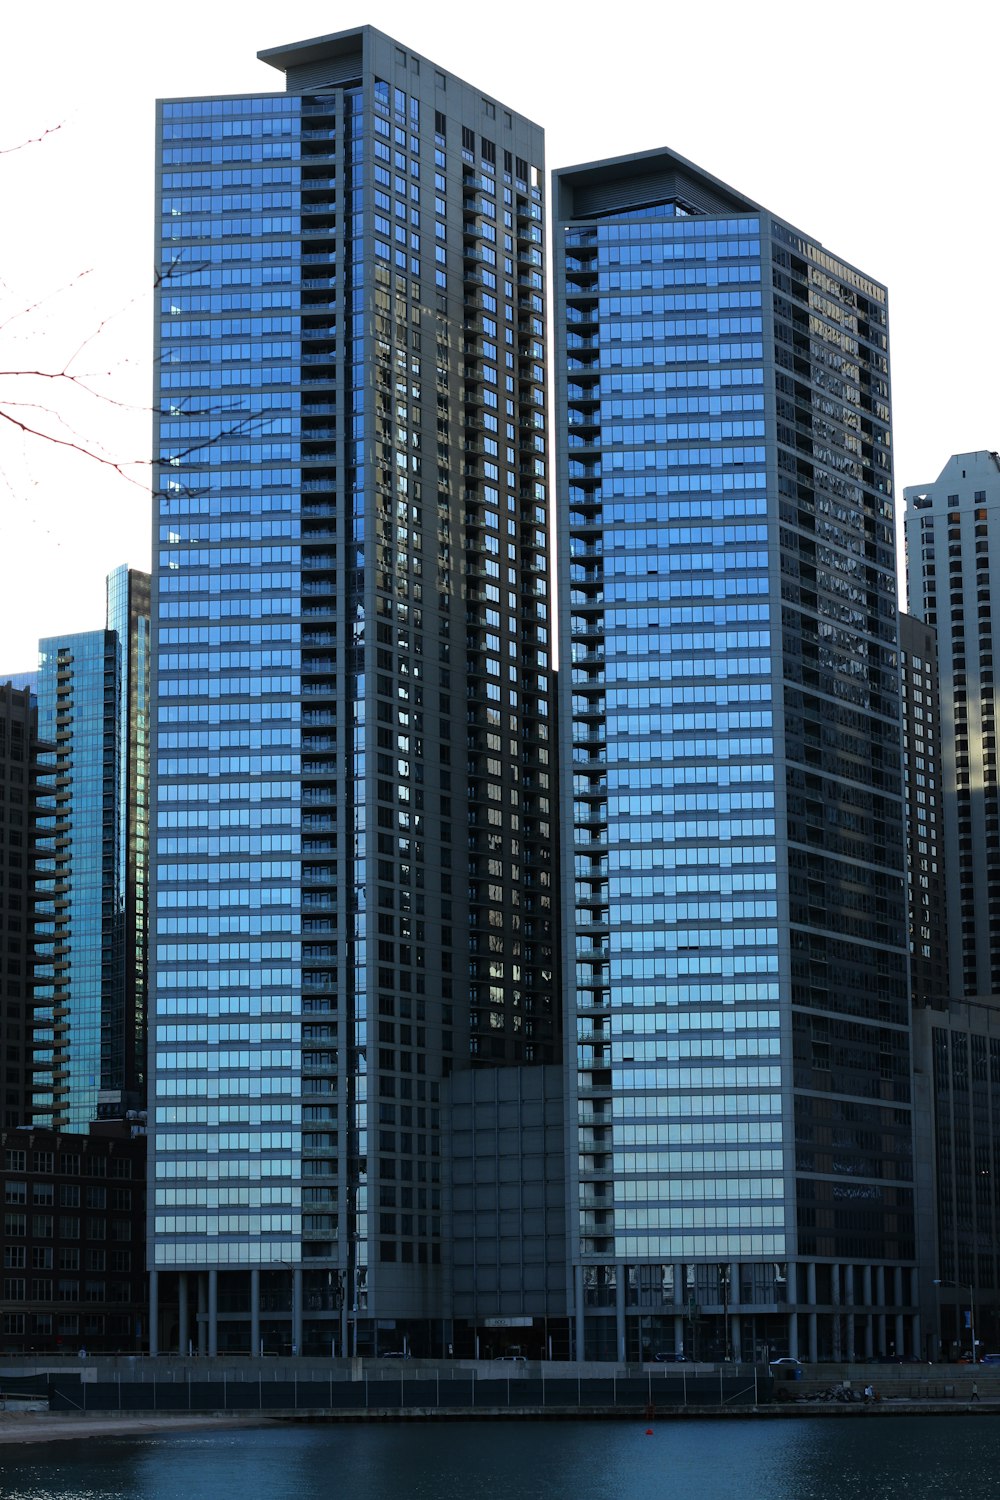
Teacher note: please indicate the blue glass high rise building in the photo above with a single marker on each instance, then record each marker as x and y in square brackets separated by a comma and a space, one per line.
[78, 682]
[352, 875]
[89, 1024]
[731, 799]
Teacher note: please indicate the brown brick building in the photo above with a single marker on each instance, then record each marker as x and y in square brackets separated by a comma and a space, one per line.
[72, 1241]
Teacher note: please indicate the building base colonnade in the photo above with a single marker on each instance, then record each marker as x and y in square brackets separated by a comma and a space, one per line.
[816, 1311]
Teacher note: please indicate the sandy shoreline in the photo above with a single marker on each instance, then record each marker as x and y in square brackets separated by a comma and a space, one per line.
[51, 1427]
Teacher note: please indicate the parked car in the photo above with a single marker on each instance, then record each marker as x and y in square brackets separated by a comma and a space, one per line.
[989, 1359]
[786, 1362]
[666, 1358]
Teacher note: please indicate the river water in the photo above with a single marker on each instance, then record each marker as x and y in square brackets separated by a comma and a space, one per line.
[793, 1458]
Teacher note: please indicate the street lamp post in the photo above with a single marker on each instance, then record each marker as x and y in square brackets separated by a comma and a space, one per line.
[724, 1275]
[963, 1286]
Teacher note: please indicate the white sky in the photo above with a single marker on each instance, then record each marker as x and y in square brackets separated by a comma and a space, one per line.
[871, 126]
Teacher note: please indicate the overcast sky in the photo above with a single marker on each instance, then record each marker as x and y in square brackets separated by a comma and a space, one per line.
[871, 126]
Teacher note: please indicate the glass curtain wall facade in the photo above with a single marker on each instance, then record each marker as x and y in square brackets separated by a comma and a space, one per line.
[93, 692]
[352, 832]
[731, 798]
[77, 995]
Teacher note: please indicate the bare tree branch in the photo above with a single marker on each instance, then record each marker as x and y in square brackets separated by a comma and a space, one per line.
[35, 139]
[48, 437]
[24, 312]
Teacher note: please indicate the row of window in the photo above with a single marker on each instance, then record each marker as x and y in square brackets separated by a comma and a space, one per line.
[15, 1159]
[65, 1258]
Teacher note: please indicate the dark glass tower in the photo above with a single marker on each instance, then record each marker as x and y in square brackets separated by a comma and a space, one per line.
[952, 528]
[123, 1061]
[23, 907]
[353, 835]
[731, 800]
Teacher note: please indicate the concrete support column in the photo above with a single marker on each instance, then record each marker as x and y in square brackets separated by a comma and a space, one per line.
[866, 1297]
[736, 1335]
[213, 1314]
[835, 1298]
[734, 1296]
[678, 1333]
[917, 1326]
[899, 1328]
[813, 1324]
[620, 1312]
[202, 1313]
[154, 1312]
[297, 1310]
[850, 1352]
[792, 1289]
[578, 1282]
[255, 1313]
[880, 1330]
[182, 1313]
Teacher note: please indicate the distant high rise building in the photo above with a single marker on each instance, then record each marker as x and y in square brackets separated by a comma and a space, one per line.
[953, 566]
[353, 862]
[19, 786]
[87, 1058]
[734, 879]
[925, 816]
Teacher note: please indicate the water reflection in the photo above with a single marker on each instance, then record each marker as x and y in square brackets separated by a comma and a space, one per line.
[904, 1458]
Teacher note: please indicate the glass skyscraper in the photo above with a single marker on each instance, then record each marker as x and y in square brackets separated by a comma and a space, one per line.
[733, 863]
[90, 954]
[77, 712]
[352, 858]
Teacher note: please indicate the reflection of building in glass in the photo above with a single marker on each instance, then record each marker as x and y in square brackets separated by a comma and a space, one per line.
[86, 1054]
[732, 791]
[353, 837]
[952, 530]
